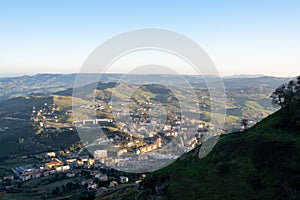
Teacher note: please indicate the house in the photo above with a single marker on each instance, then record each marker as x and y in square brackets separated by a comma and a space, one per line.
[70, 175]
[167, 127]
[113, 184]
[171, 133]
[91, 162]
[124, 179]
[50, 154]
[63, 168]
[201, 125]
[150, 134]
[121, 151]
[100, 154]
[72, 161]
[87, 182]
[66, 168]
[92, 187]
[102, 177]
[79, 163]
[55, 162]
[36, 174]
[27, 172]
[10, 177]
[84, 158]
[137, 183]
[150, 147]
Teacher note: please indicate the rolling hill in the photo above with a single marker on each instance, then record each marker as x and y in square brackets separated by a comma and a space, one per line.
[11, 87]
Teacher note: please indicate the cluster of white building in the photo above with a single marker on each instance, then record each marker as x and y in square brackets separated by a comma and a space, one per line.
[29, 172]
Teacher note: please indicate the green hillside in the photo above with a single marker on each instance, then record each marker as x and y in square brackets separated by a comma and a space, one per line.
[260, 163]
[22, 137]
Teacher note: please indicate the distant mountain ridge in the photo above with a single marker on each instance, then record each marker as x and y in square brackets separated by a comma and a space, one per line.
[49, 83]
[245, 76]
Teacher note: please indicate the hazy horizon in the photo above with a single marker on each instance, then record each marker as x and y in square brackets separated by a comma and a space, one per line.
[12, 75]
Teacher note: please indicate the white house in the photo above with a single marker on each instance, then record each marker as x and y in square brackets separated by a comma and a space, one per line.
[124, 179]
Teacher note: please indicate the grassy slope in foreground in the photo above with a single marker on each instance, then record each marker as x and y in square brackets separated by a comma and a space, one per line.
[260, 163]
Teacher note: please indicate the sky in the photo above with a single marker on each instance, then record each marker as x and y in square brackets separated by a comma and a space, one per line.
[241, 37]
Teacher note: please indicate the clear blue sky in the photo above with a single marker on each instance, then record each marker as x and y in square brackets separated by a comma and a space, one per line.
[241, 36]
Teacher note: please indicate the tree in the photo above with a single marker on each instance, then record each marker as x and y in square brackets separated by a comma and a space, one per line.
[286, 94]
[69, 186]
[55, 191]
[63, 188]
[298, 87]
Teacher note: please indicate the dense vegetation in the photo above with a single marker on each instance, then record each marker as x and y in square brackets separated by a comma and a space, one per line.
[287, 97]
[286, 94]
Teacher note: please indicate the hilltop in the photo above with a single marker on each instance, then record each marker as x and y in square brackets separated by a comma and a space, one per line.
[262, 162]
